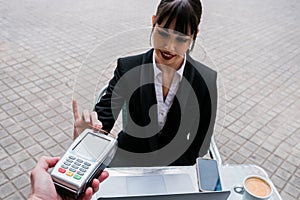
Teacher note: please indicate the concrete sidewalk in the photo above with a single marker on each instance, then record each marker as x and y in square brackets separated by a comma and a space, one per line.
[254, 45]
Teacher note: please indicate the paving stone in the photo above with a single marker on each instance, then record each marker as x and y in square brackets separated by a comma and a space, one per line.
[6, 189]
[284, 174]
[268, 146]
[285, 195]
[263, 153]
[3, 179]
[56, 151]
[13, 172]
[13, 148]
[257, 159]
[25, 191]
[7, 123]
[40, 136]
[250, 146]
[15, 196]
[33, 129]
[269, 167]
[278, 182]
[294, 159]
[27, 142]
[6, 163]
[245, 152]
[7, 141]
[66, 143]
[295, 181]
[21, 181]
[28, 164]
[292, 190]
[275, 159]
[238, 158]
[34, 149]
[20, 135]
[257, 140]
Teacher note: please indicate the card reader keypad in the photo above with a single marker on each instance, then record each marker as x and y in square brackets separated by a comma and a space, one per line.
[74, 167]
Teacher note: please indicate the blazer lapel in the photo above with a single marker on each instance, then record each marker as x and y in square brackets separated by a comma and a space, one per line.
[185, 87]
[148, 97]
[178, 112]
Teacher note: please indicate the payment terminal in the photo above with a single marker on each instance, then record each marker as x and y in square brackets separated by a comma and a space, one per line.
[83, 161]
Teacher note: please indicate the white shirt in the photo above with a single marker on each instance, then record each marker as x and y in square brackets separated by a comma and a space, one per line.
[163, 107]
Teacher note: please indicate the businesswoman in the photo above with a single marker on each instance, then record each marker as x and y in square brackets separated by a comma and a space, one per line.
[170, 99]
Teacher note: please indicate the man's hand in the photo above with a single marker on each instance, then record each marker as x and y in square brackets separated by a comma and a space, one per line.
[42, 186]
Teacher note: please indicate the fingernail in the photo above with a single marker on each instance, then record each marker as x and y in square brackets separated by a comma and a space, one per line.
[98, 126]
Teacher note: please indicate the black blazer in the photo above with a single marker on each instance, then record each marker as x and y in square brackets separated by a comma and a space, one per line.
[189, 123]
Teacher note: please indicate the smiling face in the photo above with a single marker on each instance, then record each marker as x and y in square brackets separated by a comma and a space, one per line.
[170, 45]
[175, 27]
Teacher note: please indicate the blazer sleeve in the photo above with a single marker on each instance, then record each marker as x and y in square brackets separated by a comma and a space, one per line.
[208, 108]
[109, 106]
[206, 91]
[210, 78]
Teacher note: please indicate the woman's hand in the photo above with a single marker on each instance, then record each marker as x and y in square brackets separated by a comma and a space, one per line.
[87, 120]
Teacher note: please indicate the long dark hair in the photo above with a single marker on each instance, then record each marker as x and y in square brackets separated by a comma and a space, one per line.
[186, 12]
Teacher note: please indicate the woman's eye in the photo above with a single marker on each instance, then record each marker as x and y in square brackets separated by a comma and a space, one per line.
[182, 40]
[163, 34]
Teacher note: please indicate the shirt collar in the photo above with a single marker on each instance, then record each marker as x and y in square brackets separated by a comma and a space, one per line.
[157, 71]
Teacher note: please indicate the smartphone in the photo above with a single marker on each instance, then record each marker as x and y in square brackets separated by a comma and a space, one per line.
[208, 175]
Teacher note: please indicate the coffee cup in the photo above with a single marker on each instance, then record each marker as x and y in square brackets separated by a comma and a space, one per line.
[255, 188]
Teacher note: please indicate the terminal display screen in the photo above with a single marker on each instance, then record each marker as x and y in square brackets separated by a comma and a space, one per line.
[91, 146]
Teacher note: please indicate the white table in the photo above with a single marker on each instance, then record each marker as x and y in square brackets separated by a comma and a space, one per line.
[231, 175]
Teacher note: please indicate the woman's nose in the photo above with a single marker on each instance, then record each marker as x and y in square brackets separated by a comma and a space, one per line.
[171, 45]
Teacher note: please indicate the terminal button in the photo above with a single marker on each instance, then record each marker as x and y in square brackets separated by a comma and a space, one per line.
[72, 170]
[72, 157]
[80, 173]
[83, 170]
[64, 166]
[61, 170]
[69, 160]
[75, 166]
[67, 163]
[76, 176]
[84, 166]
[69, 173]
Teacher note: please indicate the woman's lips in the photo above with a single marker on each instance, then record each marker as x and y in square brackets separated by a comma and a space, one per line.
[167, 55]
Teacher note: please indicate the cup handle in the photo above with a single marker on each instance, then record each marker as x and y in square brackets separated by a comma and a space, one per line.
[239, 189]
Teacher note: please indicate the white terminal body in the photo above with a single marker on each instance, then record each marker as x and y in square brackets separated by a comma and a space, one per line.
[83, 161]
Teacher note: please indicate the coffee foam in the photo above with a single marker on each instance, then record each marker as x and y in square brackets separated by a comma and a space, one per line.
[257, 187]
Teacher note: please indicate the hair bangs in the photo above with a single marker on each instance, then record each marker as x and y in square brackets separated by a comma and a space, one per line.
[182, 13]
